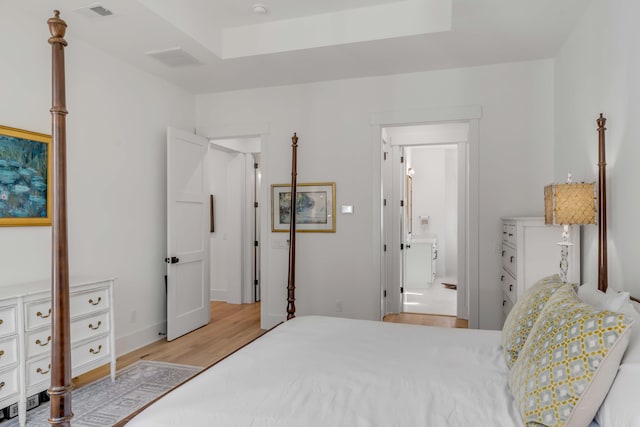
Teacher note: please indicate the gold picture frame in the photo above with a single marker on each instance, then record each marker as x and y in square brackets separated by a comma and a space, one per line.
[26, 169]
[316, 207]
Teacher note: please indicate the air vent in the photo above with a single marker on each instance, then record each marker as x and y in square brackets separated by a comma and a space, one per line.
[174, 57]
[95, 10]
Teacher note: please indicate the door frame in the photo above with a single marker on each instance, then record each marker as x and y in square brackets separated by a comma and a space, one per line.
[262, 131]
[471, 114]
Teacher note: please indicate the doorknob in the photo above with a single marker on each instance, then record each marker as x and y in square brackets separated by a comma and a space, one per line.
[172, 260]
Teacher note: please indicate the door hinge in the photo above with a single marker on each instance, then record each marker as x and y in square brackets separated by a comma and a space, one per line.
[255, 166]
[255, 282]
[401, 246]
[384, 202]
[255, 205]
[384, 293]
[384, 157]
[401, 159]
[401, 202]
[401, 290]
[255, 243]
[384, 248]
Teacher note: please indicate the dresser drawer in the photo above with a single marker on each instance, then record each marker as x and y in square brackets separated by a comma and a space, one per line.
[9, 384]
[509, 285]
[8, 351]
[509, 259]
[89, 301]
[90, 352]
[511, 233]
[8, 320]
[37, 313]
[38, 371]
[88, 327]
[38, 342]
[506, 305]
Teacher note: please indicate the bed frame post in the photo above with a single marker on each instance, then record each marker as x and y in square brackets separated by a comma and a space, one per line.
[291, 285]
[602, 207]
[60, 390]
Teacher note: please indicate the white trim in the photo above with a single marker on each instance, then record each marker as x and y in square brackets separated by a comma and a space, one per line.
[428, 115]
[219, 295]
[140, 338]
[402, 118]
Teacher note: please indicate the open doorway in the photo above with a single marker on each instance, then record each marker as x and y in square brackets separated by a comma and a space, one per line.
[430, 260]
[428, 254]
[235, 182]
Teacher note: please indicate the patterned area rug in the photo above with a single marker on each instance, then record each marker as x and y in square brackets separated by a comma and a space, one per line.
[103, 403]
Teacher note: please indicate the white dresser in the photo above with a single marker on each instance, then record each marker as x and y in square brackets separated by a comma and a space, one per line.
[25, 335]
[530, 252]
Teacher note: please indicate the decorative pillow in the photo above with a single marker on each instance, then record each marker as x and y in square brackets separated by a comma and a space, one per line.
[612, 300]
[523, 316]
[565, 369]
[620, 407]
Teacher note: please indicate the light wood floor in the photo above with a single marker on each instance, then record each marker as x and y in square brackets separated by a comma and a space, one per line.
[231, 327]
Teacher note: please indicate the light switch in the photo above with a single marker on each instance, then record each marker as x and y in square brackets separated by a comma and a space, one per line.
[346, 209]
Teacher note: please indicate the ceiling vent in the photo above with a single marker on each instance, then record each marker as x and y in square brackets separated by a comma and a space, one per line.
[95, 10]
[174, 57]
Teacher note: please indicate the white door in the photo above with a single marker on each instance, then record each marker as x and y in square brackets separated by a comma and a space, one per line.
[187, 233]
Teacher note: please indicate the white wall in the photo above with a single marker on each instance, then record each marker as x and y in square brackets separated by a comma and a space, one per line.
[598, 71]
[333, 122]
[116, 137]
[451, 207]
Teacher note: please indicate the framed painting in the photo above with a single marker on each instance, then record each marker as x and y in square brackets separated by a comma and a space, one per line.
[25, 177]
[315, 207]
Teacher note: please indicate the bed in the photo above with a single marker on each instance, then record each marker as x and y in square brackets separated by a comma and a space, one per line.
[324, 371]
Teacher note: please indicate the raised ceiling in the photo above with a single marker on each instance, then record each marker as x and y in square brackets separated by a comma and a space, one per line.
[302, 41]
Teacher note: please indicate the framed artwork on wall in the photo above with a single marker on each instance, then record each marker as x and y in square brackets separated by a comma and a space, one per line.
[25, 177]
[315, 207]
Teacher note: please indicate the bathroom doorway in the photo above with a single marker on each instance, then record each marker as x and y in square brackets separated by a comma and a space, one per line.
[430, 257]
[426, 195]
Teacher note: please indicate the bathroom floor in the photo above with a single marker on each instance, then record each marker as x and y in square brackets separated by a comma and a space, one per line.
[434, 298]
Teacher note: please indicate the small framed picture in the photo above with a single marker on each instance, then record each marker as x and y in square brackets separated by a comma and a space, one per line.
[315, 207]
[25, 177]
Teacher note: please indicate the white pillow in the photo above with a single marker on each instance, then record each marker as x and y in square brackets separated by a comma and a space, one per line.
[612, 300]
[620, 407]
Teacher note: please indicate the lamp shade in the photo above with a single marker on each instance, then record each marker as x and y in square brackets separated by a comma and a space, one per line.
[570, 203]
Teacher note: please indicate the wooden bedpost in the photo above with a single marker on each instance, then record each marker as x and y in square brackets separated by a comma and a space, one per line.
[602, 207]
[291, 286]
[60, 390]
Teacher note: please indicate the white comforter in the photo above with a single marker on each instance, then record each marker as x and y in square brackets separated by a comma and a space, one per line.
[329, 372]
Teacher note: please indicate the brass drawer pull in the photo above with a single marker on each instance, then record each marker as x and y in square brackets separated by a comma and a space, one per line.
[41, 344]
[40, 371]
[2, 384]
[1, 321]
[1, 353]
[92, 351]
[43, 316]
[95, 303]
[95, 327]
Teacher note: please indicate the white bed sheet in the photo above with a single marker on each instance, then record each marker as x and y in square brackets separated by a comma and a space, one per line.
[328, 372]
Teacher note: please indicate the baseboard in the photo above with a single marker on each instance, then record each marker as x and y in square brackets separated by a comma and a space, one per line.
[140, 338]
[218, 295]
[270, 320]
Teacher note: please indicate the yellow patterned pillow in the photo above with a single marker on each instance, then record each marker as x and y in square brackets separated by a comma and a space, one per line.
[523, 316]
[569, 361]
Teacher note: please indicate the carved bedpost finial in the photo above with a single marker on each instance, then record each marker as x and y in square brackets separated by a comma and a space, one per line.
[601, 121]
[294, 138]
[57, 28]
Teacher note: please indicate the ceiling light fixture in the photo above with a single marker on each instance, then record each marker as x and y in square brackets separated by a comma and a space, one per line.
[259, 9]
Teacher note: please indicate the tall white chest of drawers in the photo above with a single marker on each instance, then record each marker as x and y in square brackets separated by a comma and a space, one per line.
[530, 252]
[25, 335]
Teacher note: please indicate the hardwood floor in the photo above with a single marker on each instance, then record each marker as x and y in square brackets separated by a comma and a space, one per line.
[231, 327]
[427, 320]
